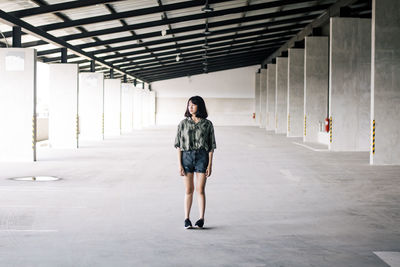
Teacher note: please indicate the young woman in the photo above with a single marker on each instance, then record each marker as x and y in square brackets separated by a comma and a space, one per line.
[195, 142]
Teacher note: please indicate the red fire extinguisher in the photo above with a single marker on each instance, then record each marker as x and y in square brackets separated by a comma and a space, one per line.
[254, 115]
[327, 125]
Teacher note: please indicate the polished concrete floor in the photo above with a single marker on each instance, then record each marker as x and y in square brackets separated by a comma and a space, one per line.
[270, 202]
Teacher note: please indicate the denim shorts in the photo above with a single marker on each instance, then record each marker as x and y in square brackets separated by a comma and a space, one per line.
[195, 160]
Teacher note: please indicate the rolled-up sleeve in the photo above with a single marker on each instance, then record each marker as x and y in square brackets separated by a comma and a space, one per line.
[178, 137]
[212, 144]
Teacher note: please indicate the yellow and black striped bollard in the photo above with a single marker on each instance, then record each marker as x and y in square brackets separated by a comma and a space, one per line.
[373, 137]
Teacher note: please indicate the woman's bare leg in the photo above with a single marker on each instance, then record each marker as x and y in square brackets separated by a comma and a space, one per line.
[189, 188]
[201, 195]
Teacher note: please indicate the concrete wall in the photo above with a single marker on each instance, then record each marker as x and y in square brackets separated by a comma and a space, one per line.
[257, 98]
[316, 82]
[271, 89]
[229, 96]
[281, 95]
[385, 93]
[263, 97]
[350, 83]
[295, 92]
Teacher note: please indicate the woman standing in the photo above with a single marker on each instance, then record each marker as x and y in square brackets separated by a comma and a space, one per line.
[195, 142]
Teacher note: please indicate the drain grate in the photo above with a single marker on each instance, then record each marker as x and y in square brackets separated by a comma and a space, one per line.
[36, 178]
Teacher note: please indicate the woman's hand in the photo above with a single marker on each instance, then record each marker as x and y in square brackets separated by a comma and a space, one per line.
[181, 170]
[208, 171]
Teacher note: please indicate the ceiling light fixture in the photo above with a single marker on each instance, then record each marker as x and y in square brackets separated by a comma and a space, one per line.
[207, 8]
[177, 58]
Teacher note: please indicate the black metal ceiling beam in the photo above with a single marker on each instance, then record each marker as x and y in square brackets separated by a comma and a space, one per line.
[191, 56]
[169, 59]
[192, 73]
[126, 14]
[201, 26]
[174, 31]
[123, 22]
[224, 58]
[57, 7]
[210, 40]
[198, 46]
[228, 22]
[289, 30]
[8, 19]
[178, 30]
[129, 14]
[267, 39]
[332, 10]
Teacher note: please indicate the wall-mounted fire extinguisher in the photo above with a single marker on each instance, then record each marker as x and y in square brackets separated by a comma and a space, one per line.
[327, 125]
[254, 115]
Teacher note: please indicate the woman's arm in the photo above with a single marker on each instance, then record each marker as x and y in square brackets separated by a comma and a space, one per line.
[209, 167]
[181, 169]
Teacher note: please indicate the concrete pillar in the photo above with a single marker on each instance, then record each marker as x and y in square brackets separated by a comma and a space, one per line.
[63, 105]
[295, 100]
[257, 99]
[271, 88]
[385, 84]
[316, 82]
[350, 83]
[263, 97]
[126, 107]
[91, 106]
[112, 107]
[281, 95]
[17, 104]
[138, 96]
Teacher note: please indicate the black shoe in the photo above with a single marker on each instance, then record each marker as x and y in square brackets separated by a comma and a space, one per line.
[188, 224]
[200, 223]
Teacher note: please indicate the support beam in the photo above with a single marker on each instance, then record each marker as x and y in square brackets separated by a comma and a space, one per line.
[16, 36]
[64, 55]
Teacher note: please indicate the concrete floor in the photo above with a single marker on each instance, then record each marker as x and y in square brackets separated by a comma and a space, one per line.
[270, 202]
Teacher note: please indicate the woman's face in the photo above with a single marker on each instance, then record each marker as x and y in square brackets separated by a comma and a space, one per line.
[192, 108]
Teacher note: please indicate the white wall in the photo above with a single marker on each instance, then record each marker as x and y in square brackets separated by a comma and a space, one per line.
[229, 96]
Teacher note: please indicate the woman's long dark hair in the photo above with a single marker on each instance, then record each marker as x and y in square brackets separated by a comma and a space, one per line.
[201, 107]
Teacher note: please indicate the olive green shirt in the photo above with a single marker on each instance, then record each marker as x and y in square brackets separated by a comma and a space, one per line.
[194, 136]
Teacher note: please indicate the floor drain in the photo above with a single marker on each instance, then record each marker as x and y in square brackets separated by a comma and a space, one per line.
[36, 178]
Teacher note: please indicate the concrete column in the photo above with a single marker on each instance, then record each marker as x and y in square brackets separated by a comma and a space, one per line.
[112, 107]
[263, 97]
[350, 83]
[385, 84]
[281, 95]
[91, 106]
[316, 82]
[295, 100]
[271, 88]
[126, 107]
[257, 99]
[17, 104]
[63, 105]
